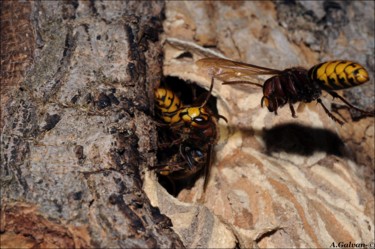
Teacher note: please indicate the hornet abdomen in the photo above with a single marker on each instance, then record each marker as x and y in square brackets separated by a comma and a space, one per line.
[169, 105]
[336, 75]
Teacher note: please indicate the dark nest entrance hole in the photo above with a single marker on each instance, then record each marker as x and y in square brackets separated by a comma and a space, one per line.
[168, 153]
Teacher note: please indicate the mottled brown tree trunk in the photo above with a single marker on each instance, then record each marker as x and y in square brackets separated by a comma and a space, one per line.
[77, 132]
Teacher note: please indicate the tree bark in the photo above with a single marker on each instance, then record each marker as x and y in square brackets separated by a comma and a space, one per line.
[77, 133]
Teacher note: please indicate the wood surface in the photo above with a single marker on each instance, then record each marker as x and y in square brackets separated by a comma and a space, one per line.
[78, 132]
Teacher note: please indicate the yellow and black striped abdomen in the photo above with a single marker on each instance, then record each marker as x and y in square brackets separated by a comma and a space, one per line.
[335, 75]
[169, 105]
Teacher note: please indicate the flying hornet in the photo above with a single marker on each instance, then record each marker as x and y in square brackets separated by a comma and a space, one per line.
[194, 128]
[292, 85]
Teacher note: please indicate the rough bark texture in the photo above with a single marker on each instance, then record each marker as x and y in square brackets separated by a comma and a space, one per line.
[77, 132]
[276, 181]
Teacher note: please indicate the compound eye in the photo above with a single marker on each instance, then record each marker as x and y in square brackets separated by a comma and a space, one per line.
[198, 153]
[199, 120]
